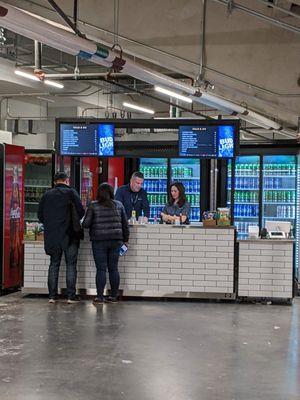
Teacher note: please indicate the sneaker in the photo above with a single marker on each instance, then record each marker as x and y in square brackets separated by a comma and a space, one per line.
[52, 301]
[111, 299]
[98, 300]
[73, 300]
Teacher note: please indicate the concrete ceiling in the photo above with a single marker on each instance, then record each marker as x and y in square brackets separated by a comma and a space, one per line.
[249, 60]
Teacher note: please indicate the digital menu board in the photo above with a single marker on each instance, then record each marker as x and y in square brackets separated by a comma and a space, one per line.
[207, 141]
[81, 139]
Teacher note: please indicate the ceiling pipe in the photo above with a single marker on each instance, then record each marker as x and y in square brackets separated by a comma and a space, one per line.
[37, 56]
[84, 75]
[27, 25]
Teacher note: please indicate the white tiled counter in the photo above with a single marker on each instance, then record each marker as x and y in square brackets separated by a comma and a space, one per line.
[266, 268]
[162, 261]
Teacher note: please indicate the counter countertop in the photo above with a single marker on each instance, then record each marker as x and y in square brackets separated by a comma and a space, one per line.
[181, 226]
[153, 226]
[266, 240]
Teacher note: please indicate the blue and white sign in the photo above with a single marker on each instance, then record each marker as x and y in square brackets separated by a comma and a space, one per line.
[226, 141]
[106, 134]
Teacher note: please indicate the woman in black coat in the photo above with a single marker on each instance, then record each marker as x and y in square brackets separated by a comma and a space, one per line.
[108, 225]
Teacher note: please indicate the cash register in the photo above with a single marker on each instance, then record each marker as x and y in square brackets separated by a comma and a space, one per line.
[278, 229]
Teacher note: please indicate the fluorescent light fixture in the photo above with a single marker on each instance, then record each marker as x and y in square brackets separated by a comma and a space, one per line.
[173, 94]
[54, 84]
[26, 75]
[138, 108]
[45, 99]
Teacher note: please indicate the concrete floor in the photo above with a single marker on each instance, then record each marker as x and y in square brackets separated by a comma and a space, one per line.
[148, 351]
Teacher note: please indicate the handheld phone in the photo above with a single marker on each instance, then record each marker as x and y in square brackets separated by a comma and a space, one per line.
[123, 249]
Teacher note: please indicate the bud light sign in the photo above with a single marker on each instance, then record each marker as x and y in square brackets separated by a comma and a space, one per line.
[226, 141]
[106, 133]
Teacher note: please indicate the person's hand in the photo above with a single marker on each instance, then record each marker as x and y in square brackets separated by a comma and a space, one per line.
[145, 220]
[126, 244]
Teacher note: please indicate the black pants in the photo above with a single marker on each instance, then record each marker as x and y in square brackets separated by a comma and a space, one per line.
[71, 254]
[106, 256]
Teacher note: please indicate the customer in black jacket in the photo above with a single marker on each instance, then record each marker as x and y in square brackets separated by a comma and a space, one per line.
[107, 221]
[54, 213]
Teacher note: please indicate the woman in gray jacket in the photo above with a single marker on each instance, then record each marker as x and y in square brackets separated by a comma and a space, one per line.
[108, 225]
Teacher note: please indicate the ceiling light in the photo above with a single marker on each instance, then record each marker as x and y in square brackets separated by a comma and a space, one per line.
[26, 75]
[45, 99]
[53, 83]
[138, 108]
[173, 94]
[2, 37]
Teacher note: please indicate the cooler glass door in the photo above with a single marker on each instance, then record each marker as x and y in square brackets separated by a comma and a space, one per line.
[12, 265]
[155, 172]
[246, 194]
[187, 171]
[279, 189]
[89, 180]
[38, 179]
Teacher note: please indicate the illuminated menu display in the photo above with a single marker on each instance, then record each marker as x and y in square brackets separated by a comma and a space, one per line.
[87, 139]
[206, 141]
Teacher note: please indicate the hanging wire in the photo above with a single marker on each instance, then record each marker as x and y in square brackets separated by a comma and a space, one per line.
[202, 44]
[116, 21]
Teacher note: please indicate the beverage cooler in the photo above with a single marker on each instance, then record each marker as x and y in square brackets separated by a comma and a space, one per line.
[279, 192]
[265, 190]
[89, 180]
[187, 171]
[155, 172]
[64, 163]
[246, 193]
[12, 215]
[39, 170]
[160, 172]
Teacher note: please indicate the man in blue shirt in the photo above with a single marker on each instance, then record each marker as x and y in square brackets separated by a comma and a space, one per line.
[134, 197]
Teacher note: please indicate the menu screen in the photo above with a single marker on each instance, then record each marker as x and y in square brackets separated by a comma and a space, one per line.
[87, 139]
[207, 141]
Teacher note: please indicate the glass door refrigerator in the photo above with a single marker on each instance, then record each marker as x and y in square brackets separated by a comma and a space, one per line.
[155, 172]
[187, 171]
[279, 189]
[39, 170]
[89, 180]
[11, 215]
[246, 193]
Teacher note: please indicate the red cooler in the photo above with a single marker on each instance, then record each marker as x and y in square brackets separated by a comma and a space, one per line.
[12, 162]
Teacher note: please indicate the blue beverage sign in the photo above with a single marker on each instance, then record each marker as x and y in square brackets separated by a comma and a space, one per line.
[106, 133]
[226, 141]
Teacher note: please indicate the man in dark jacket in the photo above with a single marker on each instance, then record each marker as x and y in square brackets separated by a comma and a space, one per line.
[55, 214]
[134, 197]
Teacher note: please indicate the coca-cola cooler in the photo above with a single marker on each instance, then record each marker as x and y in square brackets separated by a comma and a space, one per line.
[89, 179]
[12, 165]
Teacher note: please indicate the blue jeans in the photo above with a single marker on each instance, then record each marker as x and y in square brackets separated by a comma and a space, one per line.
[71, 254]
[106, 256]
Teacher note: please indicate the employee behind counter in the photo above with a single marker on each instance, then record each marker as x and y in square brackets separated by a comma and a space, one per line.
[177, 210]
[134, 197]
